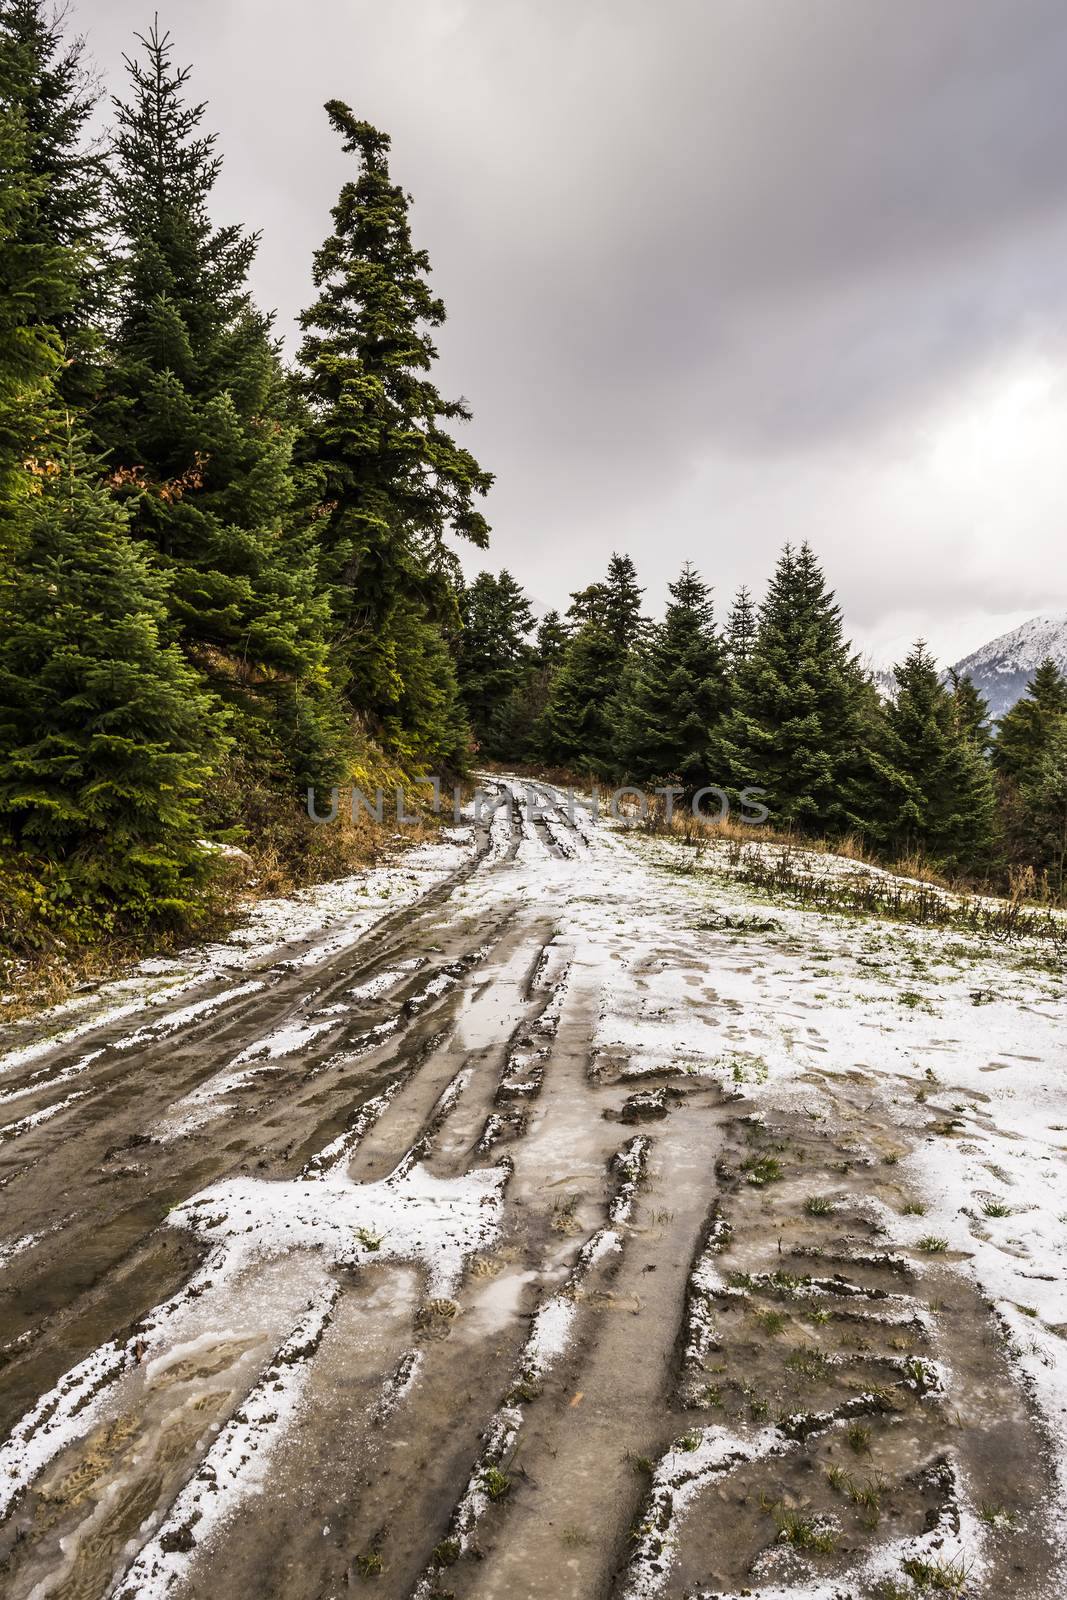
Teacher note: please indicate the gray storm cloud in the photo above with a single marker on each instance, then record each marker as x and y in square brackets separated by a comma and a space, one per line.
[718, 274]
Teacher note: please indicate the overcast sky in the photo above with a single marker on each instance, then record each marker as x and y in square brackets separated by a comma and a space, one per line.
[719, 273]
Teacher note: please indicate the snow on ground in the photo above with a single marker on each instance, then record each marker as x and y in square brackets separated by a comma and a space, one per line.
[12, 1130]
[681, 1476]
[963, 1035]
[251, 1226]
[409, 1216]
[174, 1021]
[54, 1080]
[960, 1038]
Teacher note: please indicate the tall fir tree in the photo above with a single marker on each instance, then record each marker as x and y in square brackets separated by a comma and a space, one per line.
[45, 76]
[970, 710]
[105, 733]
[579, 726]
[793, 725]
[196, 420]
[494, 656]
[517, 726]
[427, 726]
[937, 794]
[678, 693]
[1028, 756]
[390, 481]
[1025, 732]
[550, 642]
[622, 603]
[741, 629]
[35, 291]
[1042, 813]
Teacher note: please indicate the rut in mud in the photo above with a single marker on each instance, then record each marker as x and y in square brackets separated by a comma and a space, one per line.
[465, 1258]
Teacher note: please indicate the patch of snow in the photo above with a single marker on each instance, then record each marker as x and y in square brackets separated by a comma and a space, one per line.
[235, 1467]
[43, 1080]
[415, 1216]
[13, 1130]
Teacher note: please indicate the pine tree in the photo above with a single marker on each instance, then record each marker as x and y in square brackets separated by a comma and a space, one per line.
[391, 482]
[741, 628]
[196, 421]
[1043, 796]
[550, 642]
[580, 725]
[104, 732]
[622, 603]
[47, 80]
[34, 292]
[970, 710]
[1024, 733]
[793, 726]
[494, 656]
[517, 726]
[678, 694]
[937, 790]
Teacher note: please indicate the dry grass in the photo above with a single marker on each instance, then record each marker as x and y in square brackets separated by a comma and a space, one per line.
[907, 890]
[851, 847]
[284, 850]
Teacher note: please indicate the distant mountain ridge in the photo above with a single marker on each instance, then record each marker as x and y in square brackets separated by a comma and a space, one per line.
[1002, 668]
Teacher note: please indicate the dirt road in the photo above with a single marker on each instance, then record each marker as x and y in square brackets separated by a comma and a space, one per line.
[487, 1252]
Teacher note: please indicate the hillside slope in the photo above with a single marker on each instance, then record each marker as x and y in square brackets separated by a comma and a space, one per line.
[1002, 668]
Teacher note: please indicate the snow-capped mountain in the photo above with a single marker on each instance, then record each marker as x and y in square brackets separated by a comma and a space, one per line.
[884, 682]
[1002, 668]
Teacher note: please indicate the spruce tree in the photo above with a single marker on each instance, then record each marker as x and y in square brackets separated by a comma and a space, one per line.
[46, 78]
[937, 793]
[581, 724]
[34, 292]
[793, 726]
[678, 693]
[550, 642]
[1024, 733]
[105, 734]
[622, 603]
[1028, 757]
[390, 480]
[516, 729]
[741, 628]
[494, 656]
[427, 727]
[1042, 833]
[970, 710]
[196, 422]
[578, 726]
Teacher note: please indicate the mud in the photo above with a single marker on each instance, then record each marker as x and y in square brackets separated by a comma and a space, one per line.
[674, 1354]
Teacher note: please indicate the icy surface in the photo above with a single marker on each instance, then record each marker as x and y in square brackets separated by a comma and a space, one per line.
[409, 1216]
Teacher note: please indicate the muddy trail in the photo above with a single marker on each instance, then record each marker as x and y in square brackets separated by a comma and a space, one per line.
[423, 1262]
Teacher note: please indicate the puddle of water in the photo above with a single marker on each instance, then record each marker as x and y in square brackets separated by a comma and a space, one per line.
[495, 1304]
